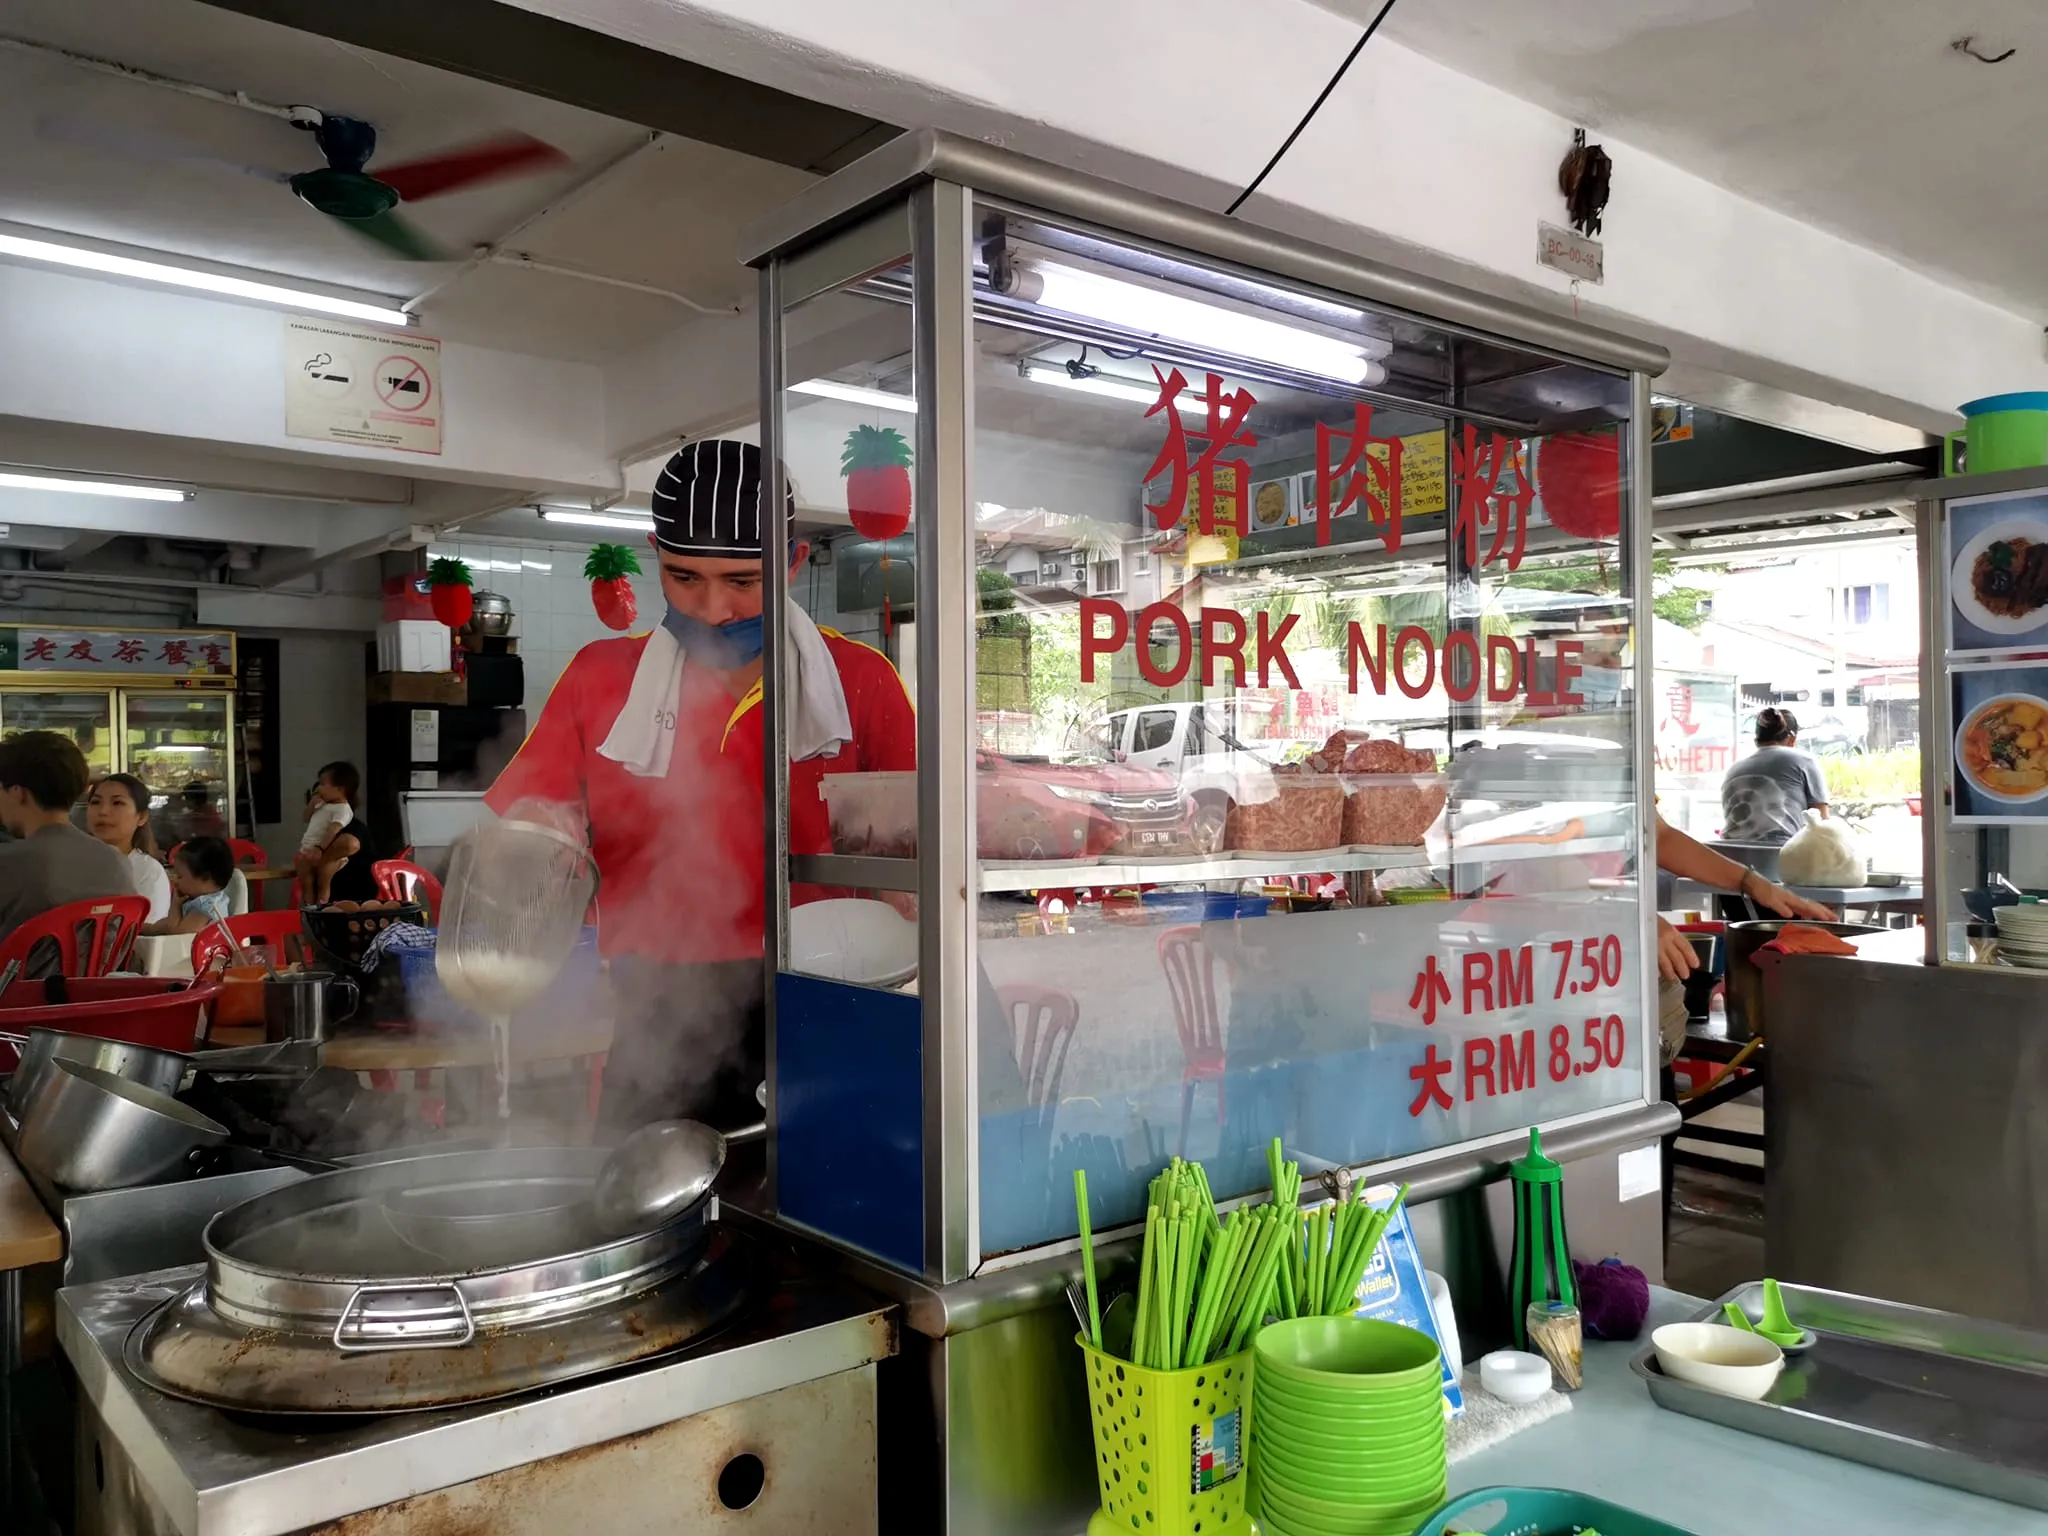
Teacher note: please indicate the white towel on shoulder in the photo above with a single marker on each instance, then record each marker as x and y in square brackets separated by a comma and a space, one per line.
[643, 738]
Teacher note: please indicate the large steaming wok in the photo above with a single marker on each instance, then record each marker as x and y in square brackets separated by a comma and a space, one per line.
[314, 1301]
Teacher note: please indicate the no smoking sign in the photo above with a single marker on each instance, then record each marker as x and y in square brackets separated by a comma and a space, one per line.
[365, 388]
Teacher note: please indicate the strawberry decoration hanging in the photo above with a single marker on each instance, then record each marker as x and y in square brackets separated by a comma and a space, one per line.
[448, 589]
[608, 566]
[876, 464]
[1579, 477]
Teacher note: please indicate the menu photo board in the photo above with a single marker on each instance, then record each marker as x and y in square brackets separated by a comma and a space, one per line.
[1996, 628]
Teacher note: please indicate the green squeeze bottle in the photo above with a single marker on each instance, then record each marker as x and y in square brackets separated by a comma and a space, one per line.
[1541, 1270]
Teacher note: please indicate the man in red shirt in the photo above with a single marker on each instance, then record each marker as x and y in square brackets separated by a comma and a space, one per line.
[654, 743]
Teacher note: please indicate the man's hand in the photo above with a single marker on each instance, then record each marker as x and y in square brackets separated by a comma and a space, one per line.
[1776, 898]
[1676, 958]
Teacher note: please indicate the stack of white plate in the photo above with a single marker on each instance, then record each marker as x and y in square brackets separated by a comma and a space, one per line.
[2023, 935]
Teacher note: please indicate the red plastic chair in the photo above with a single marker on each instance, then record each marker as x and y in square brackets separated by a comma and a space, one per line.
[1191, 979]
[398, 880]
[1042, 1022]
[90, 938]
[272, 929]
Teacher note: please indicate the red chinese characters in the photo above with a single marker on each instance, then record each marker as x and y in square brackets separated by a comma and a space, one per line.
[1222, 429]
[214, 653]
[81, 650]
[177, 652]
[1430, 1072]
[1432, 990]
[42, 648]
[130, 652]
[1484, 503]
[1360, 478]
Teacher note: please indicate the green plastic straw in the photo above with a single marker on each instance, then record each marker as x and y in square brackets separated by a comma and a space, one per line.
[1213, 1283]
[1256, 1300]
[1088, 1257]
[1185, 1244]
[1146, 1259]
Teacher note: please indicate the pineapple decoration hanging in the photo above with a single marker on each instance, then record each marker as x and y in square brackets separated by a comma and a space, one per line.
[876, 464]
[611, 594]
[448, 590]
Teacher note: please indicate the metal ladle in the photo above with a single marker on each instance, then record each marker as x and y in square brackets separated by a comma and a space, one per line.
[660, 1171]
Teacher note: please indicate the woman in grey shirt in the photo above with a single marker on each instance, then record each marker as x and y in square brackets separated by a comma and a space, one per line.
[1765, 797]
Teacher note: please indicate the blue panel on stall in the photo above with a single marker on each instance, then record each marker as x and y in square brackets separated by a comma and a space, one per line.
[849, 1115]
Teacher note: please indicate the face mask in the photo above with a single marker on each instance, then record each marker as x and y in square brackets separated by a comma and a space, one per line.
[717, 645]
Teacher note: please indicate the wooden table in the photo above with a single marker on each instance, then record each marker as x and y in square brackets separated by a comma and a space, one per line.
[254, 876]
[27, 1234]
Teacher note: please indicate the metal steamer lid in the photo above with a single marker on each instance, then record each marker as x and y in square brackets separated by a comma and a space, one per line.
[323, 1257]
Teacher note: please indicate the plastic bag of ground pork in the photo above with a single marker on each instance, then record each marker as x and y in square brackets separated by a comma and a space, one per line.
[1821, 853]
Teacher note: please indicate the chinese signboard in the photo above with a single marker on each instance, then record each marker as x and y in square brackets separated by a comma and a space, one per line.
[371, 389]
[143, 653]
[1482, 481]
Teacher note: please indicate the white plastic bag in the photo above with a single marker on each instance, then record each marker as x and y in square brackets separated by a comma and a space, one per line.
[1821, 853]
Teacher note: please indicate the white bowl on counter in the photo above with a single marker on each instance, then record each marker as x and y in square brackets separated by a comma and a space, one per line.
[1719, 1358]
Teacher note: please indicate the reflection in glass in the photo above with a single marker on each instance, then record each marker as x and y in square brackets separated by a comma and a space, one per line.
[1306, 799]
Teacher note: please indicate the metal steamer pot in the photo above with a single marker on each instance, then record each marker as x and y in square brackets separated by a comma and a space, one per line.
[315, 1300]
[490, 614]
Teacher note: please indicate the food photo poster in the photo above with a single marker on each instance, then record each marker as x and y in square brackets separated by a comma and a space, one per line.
[2001, 716]
[1998, 576]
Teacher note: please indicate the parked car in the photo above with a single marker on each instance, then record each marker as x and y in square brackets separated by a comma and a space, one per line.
[1188, 742]
[1029, 808]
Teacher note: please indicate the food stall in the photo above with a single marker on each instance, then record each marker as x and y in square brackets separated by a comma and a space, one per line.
[1394, 942]
[157, 703]
[1939, 1109]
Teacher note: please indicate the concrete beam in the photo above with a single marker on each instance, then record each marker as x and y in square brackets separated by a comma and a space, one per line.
[87, 353]
[231, 609]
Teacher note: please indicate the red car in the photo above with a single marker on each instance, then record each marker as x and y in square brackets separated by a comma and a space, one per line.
[1033, 809]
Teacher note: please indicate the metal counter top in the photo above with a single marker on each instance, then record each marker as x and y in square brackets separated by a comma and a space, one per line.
[217, 1474]
[1713, 1481]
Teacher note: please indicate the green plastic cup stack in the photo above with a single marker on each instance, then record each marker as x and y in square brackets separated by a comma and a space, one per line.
[1347, 1423]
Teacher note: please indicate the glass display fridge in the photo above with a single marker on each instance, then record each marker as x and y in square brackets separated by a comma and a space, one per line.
[155, 703]
[1278, 629]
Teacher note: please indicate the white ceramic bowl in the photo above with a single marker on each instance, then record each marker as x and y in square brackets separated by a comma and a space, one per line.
[1720, 1358]
[852, 939]
[1514, 1375]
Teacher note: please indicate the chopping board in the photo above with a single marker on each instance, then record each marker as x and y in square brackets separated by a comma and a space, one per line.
[27, 1235]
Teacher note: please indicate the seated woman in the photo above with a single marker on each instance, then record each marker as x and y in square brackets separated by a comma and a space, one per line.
[117, 813]
[200, 871]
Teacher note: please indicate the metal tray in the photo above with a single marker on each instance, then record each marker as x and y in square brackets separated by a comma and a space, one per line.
[1947, 1399]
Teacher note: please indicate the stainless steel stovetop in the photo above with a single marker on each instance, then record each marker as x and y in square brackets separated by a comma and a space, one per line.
[207, 1473]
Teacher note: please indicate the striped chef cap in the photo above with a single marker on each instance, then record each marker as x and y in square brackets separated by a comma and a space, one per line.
[707, 500]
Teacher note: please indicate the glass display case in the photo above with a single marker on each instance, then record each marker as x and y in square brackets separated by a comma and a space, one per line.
[1984, 716]
[1278, 632]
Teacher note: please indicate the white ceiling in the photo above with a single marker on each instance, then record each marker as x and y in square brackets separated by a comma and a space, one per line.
[669, 219]
[1855, 115]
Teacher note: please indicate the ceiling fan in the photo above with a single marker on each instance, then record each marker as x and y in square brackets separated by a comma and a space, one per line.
[343, 188]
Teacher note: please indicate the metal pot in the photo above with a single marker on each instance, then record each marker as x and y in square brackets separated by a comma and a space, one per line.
[1746, 982]
[490, 614]
[144, 1064]
[299, 1005]
[90, 1130]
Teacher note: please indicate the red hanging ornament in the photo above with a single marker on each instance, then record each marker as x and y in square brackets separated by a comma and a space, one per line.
[611, 594]
[1578, 474]
[876, 464]
[448, 590]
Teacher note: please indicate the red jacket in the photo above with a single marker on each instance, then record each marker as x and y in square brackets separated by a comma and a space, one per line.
[679, 859]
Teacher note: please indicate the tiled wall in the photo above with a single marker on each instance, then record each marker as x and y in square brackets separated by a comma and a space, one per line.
[551, 612]
[551, 608]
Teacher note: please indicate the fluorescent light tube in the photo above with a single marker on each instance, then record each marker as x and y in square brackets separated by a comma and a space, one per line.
[597, 519]
[205, 282]
[1154, 312]
[854, 394]
[13, 481]
[1096, 384]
